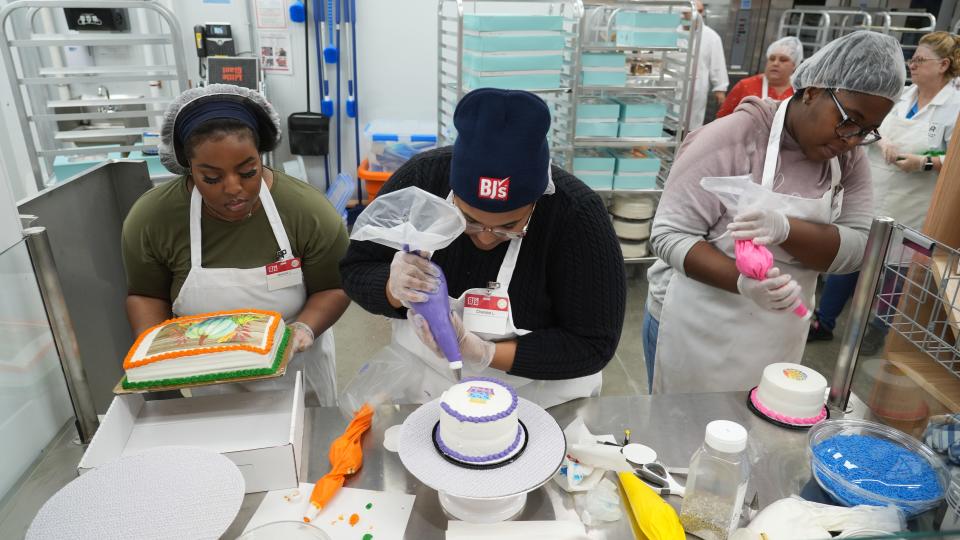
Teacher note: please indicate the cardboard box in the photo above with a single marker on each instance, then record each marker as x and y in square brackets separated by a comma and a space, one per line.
[261, 432]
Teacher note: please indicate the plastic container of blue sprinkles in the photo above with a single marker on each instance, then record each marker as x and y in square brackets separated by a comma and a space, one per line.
[861, 462]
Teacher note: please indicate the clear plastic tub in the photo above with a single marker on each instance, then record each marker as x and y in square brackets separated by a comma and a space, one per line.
[389, 144]
[900, 474]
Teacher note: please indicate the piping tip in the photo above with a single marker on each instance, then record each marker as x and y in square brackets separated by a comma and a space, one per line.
[458, 373]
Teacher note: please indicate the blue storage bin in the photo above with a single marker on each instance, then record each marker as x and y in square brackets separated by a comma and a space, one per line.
[593, 161]
[65, 167]
[486, 42]
[508, 23]
[511, 62]
[604, 60]
[153, 163]
[596, 129]
[647, 20]
[647, 38]
[633, 109]
[640, 129]
[604, 78]
[636, 161]
[596, 180]
[512, 81]
[635, 181]
[598, 109]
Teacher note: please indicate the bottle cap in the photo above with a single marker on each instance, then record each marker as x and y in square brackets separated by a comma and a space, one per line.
[726, 436]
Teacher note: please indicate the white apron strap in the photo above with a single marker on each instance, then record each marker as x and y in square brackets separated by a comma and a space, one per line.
[773, 145]
[273, 217]
[765, 92]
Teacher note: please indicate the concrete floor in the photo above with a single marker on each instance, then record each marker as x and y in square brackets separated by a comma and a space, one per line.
[359, 335]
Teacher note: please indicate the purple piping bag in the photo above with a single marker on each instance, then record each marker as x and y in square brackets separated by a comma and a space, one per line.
[436, 311]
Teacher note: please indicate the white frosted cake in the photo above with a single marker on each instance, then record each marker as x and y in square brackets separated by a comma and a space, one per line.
[479, 423]
[209, 347]
[792, 394]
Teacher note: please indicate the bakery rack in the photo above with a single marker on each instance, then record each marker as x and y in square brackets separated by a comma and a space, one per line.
[451, 80]
[673, 85]
[65, 109]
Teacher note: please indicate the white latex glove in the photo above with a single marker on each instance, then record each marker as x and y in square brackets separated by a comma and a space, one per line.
[410, 274]
[764, 227]
[776, 293]
[909, 163]
[890, 151]
[474, 350]
[302, 336]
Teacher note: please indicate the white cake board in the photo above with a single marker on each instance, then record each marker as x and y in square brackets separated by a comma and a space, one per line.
[536, 465]
[167, 492]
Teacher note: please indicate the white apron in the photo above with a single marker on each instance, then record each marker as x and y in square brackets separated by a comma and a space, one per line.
[437, 377]
[711, 340]
[220, 289]
[765, 90]
[904, 196]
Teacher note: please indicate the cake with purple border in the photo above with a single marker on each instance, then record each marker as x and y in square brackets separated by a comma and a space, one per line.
[479, 423]
[791, 393]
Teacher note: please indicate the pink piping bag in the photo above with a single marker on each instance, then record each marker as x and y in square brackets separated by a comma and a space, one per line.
[755, 261]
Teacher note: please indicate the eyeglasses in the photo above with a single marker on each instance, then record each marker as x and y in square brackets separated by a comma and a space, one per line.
[499, 232]
[919, 60]
[848, 128]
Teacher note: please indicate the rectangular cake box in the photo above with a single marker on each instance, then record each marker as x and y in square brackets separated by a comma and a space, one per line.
[480, 62]
[515, 80]
[497, 22]
[491, 42]
[589, 128]
[261, 432]
[598, 109]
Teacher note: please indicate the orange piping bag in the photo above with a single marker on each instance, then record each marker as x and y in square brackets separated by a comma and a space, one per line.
[346, 457]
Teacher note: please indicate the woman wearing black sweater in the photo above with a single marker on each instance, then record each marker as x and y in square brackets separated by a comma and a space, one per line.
[539, 244]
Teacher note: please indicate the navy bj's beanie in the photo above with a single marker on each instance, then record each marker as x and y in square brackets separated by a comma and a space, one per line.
[501, 160]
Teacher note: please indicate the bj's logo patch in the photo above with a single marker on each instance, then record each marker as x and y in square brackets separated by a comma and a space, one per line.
[496, 189]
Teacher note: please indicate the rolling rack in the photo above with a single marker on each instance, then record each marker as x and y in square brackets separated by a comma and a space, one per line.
[672, 86]
[55, 117]
[451, 82]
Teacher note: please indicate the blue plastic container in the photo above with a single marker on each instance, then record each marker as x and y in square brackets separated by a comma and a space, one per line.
[604, 77]
[514, 81]
[640, 129]
[593, 161]
[511, 62]
[635, 181]
[596, 180]
[647, 20]
[511, 23]
[647, 38]
[596, 129]
[604, 60]
[598, 109]
[635, 109]
[631, 162]
[487, 42]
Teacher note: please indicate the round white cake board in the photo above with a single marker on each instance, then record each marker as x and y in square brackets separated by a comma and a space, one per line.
[162, 493]
[538, 462]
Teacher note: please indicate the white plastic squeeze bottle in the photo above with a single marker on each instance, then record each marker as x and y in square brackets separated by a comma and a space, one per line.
[717, 483]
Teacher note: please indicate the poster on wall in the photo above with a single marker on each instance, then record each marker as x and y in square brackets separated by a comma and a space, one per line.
[271, 14]
[275, 52]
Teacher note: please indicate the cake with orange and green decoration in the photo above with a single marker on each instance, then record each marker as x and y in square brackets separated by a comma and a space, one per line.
[209, 347]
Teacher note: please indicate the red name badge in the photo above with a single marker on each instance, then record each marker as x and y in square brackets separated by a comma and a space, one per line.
[283, 266]
[486, 313]
[283, 274]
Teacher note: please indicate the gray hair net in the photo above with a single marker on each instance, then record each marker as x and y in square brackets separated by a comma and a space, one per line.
[172, 154]
[789, 46]
[863, 61]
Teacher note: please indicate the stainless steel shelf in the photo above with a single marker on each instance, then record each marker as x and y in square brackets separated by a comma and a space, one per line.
[629, 89]
[93, 150]
[105, 70]
[116, 115]
[639, 260]
[617, 48]
[123, 40]
[87, 134]
[104, 102]
[623, 142]
[81, 79]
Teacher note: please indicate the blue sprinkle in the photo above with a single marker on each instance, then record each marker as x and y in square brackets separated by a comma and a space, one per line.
[877, 466]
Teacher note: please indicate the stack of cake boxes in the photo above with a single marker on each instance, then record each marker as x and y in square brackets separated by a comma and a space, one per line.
[628, 169]
[646, 29]
[523, 52]
[603, 69]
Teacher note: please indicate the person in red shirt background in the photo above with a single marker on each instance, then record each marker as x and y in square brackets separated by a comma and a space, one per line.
[783, 57]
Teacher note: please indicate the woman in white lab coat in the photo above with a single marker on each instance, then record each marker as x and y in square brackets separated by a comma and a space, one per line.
[905, 163]
[203, 242]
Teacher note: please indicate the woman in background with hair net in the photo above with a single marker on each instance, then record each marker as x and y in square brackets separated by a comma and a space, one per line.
[783, 57]
[201, 242]
[708, 328]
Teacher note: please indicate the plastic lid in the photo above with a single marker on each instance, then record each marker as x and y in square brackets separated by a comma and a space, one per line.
[726, 436]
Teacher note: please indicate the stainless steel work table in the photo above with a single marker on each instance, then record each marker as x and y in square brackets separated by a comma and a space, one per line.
[673, 425]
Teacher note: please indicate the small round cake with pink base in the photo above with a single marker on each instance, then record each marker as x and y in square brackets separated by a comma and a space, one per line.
[791, 395]
[478, 423]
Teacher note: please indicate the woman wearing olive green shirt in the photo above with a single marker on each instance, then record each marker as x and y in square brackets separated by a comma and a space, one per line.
[201, 242]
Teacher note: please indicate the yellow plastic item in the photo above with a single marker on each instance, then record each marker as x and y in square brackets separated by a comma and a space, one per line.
[656, 519]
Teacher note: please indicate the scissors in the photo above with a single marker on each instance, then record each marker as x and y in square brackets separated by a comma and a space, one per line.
[658, 478]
